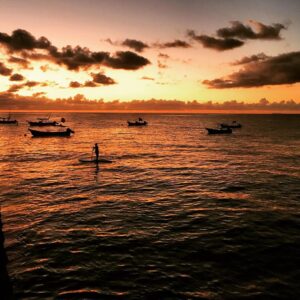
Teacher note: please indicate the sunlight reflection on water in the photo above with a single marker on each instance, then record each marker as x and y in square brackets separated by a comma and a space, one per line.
[178, 214]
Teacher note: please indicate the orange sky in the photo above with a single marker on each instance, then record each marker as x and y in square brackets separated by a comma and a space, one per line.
[174, 63]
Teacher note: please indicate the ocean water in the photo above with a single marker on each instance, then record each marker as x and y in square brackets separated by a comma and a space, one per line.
[179, 214]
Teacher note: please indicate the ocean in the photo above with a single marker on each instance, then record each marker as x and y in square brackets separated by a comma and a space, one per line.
[179, 214]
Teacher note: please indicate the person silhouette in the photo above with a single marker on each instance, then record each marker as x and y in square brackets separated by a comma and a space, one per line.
[96, 150]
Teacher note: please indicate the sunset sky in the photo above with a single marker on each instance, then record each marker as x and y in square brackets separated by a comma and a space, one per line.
[131, 49]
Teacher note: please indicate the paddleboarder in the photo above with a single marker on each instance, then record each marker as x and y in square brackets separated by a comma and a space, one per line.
[96, 150]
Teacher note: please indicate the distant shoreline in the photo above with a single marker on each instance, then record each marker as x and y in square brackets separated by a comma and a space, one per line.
[221, 112]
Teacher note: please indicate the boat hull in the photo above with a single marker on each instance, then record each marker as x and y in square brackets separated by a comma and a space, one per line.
[137, 123]
[219, 131]
[9, 122]
[37, 133]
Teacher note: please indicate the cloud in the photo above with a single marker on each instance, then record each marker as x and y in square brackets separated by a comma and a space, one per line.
[250, 59]
[241, 31]
[98, 79]
[90, 83]
[23, 40]
[34, 83]
[161, 65]
[271, 32]
[126, 60]
[215, 43]
[14, 88]
[16, 77]
[24, 63]
[140, 46]
[276, 70]
[237, 30]
[102, 79]
[79, 102]
[173, 44]
[74, 58]
[235, 36]
[147, 78]
[136, 45]
[47, 67]
[28, 84]
[38, 94]
[163, 55]
[75, 84]
[4, 71]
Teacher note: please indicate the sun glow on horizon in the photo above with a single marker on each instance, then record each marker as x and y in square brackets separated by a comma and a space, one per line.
[175, 59]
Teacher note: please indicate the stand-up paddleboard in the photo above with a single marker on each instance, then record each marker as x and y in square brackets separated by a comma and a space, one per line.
[93, 160]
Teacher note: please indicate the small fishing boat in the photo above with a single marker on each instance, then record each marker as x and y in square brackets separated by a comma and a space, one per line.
[8, 120]
[219, 131]
[233, 125]
[139, 122]
[58, 133]
[46, 122]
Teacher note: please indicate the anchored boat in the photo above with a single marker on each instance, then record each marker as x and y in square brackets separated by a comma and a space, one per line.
[60, 133]
[138, 122]
[8, 120]
[219, 131]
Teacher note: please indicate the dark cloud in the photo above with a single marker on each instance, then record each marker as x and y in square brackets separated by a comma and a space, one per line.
[77, 57]
[14, 88]
[235, 36]
[74, 58]
[34, 83]
[241, 31]
[140, 46]
[136, 45]
[98, 80]
[102, 79]
[23, 40]
[281, 69]
[4, 71]
[24, 63]
[250, 59]
[16, 77]
[38, 94]
[90, 83]
[215, 43]
[75, 84]
[237, 30]
[28, 84]
[174, 44]
[271, 32]
[126, 60]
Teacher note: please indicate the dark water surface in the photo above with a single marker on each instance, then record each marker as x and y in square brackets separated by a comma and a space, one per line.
[178, 215]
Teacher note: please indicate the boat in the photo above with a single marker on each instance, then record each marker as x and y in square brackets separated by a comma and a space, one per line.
[233, 125]
[46, 122]
[139, 122]
[8, 120]
[40, 133]
[219, 130]
[94, 160]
